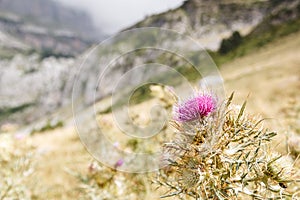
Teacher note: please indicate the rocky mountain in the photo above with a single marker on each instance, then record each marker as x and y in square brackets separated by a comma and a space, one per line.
[282, 19]
[39, 40]
[285, 14]
[47, 26]
[209, 21]
[31, 87]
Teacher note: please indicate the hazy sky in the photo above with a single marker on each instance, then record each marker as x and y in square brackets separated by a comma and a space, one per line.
[113, 15]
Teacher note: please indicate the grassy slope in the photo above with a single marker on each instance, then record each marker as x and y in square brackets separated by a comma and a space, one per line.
[263, 34]
[270, 75]
[265, 67]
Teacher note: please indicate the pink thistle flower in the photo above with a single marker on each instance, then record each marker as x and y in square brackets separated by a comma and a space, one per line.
[119, 163]
[19, 136]
[195, 108]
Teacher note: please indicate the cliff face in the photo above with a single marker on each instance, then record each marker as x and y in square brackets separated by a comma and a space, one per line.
[45, 25]
[31, 87]
[281, 13]
[50, 13]
[36, 36]
[209, 21]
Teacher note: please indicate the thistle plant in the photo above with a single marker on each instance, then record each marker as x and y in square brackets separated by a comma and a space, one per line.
[102, 182]
[17, 166]
[220, 152]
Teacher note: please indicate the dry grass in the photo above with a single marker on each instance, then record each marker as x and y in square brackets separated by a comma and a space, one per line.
[271, 76]
[58, 151]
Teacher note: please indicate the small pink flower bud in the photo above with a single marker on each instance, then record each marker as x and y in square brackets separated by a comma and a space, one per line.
[119, 163]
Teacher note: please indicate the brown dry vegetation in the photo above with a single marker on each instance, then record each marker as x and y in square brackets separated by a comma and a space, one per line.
[270, 76]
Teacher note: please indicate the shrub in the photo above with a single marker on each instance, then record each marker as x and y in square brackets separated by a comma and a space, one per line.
[230, 43]
[48, 126]
[223, 155]
[16, 162]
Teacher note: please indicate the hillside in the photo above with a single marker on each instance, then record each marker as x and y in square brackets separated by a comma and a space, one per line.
[211, 21]
[39, 43]
[47, 26]
[273, 19]
[283, 19]
[270, 76]
[226, 16]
